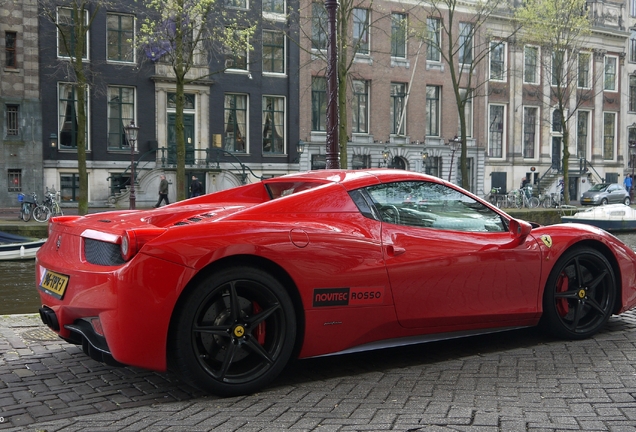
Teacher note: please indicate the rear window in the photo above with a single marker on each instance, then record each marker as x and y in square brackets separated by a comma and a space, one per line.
[281, 189]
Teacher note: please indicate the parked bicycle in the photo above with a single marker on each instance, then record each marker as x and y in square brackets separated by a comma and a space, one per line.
[522, 198]
[28, 203]
[50, 207]
[496, 198]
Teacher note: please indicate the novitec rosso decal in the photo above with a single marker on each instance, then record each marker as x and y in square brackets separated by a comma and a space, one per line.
[347, 296]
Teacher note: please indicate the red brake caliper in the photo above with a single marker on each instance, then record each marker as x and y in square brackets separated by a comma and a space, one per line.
[259, 331]
[562, 286]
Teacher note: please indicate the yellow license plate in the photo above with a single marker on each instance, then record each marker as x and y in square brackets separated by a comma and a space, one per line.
[54, 284]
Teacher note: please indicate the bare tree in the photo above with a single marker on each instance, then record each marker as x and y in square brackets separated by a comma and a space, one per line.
[186, 34]
[462, 34]
[73, 22]
[561, 28]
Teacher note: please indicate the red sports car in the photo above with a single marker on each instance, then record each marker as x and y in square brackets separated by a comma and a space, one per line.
[225, 288]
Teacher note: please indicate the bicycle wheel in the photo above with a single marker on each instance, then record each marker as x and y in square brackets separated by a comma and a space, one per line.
[547, 202]
[533, 202]
[41, 213]
[57, 210]
[26, 212]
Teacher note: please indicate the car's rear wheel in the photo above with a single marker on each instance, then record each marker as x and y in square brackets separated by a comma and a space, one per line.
[579, 295]
[234, 332]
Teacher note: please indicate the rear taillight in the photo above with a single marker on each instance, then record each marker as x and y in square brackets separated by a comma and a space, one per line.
[133, 240]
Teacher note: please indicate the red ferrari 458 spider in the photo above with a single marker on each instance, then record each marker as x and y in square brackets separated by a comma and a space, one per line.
[225, 288]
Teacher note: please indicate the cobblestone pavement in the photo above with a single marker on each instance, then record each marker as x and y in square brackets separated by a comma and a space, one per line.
[511, 381]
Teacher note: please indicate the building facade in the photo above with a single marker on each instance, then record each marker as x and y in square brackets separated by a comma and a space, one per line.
[240, 117]
[21, 139]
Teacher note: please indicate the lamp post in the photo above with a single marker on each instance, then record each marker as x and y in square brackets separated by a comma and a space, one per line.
[131, 137]
[454, 144]
[632, 160]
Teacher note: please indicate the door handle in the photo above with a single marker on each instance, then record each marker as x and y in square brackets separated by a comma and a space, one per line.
[393, 250]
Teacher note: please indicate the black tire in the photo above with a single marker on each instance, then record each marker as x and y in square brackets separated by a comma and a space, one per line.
[604, 201]
[41, 213]
[26, 212]
[579, 294]
[627, 201]
[233, 333]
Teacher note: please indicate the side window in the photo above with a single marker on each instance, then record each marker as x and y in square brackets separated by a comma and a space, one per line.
[431, 205]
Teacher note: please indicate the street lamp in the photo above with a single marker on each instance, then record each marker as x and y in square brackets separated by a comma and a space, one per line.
[632, 160]
[454, 144]
[131, 137]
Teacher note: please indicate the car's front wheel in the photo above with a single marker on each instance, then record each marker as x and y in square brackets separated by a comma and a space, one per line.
[579, 295]
[234, 332]
[627, 201]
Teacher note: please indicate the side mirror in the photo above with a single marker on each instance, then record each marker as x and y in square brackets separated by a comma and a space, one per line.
[519, 229]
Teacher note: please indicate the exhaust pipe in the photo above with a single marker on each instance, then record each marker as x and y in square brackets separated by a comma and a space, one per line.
[49, 318]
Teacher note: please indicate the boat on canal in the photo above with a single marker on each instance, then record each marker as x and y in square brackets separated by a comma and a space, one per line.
[15, 247]
[611, 217]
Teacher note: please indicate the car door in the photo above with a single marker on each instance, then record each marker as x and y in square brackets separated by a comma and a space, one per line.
[451, 261]
[615, 193]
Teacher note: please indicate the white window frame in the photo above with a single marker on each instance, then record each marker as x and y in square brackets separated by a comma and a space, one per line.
[614, 147]
[589, 69]
[277, 74]
[564, 71]
[616, 72]
[276, 16]
[133, 43]
[468, 114]
[503, 132]
[88, 118]
[57, 35]
[505, 61]
[284, 124]
[537, 132]
[537, 69]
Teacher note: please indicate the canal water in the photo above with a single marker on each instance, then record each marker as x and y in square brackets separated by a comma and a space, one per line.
[18, 294]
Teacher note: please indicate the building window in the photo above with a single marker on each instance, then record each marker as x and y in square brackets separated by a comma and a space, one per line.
[12, 124]
[398, 35]
[121, 37]
[632, 8]
[496, 131]
[632, 47]
[609, 135]
[236, 57]
[318, 26]
[121, 111]
[558, 68]
[465, 43]
[235, 124]
[360, 113]
[432, 110]
[273, 51]
[396, 110]
[68, 116]
[582, 124]
[433, 166]
[189, 101]
[240, 4]
[530, 119]
[66, 37]
[273, 124]
[466, 95]
[14, 180]
[584, 70]
[10, 41]
[361, 31]
[610, 73]
[274, 6]
[530, 65]
[632, 92]
[497, 61]
[434, 40]
[69, 187]
[318, 104]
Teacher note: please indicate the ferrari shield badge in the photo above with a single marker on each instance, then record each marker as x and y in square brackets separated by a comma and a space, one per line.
[547, 240]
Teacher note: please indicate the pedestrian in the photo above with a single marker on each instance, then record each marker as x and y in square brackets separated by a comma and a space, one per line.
[628, 182]
[163, 191]
[196, 188]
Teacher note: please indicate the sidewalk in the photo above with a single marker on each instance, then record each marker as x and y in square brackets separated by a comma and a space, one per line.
[510, 381]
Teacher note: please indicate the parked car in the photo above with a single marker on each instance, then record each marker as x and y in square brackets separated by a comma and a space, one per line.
[226, 288]
[605, 193]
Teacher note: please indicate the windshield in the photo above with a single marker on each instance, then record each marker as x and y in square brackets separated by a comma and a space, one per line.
[599, 187]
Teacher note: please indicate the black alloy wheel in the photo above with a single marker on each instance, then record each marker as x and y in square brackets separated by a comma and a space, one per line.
[234, 332]
[579, 295]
